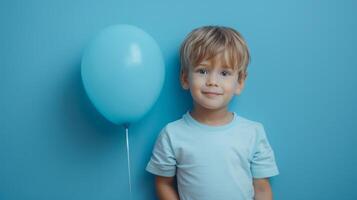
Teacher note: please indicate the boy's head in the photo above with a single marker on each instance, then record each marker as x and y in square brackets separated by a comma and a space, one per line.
[214, 62]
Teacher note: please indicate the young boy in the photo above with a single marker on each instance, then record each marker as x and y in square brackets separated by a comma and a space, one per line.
[214, 154]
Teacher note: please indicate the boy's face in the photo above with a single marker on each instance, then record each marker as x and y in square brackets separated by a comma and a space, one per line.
[211, 84]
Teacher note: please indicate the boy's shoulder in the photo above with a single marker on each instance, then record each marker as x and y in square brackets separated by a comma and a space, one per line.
[176, 124]
[248, 122]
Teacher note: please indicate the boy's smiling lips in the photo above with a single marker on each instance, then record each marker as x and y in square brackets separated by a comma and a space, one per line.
[211, 93]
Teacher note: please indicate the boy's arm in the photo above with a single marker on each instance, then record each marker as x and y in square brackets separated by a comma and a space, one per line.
[262, 189]
[165, 188]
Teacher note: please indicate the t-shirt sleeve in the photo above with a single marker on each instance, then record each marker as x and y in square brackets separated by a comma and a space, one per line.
[162, 161]
[263, 163]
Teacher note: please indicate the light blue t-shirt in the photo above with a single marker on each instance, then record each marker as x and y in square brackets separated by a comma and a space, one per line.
[213, 162]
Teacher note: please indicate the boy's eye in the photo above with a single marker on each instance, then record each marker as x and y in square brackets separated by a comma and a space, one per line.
[202, 71]
[225, 73]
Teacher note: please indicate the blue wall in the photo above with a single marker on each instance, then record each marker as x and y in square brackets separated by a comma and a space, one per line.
[301, 86]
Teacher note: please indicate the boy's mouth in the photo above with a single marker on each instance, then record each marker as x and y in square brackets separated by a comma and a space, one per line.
[212, 93]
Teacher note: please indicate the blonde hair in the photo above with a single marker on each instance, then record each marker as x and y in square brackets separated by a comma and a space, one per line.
[205, 43]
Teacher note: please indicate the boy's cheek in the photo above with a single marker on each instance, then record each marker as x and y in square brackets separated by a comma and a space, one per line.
[192, 80]
[195, 79]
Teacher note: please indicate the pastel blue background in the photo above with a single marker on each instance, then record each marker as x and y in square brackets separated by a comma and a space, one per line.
[301, 86]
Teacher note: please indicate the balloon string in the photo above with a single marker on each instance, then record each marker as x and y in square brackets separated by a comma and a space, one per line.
[128, 154]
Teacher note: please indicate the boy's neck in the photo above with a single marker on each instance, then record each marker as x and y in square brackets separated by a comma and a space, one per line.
[212, 117]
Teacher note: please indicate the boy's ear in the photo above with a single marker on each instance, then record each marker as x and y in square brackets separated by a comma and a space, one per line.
[184, 79]
[240, 86]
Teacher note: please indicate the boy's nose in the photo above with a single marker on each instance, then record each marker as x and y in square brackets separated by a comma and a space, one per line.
[212, 80]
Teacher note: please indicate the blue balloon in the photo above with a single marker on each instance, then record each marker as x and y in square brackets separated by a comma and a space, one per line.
[123, 73]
